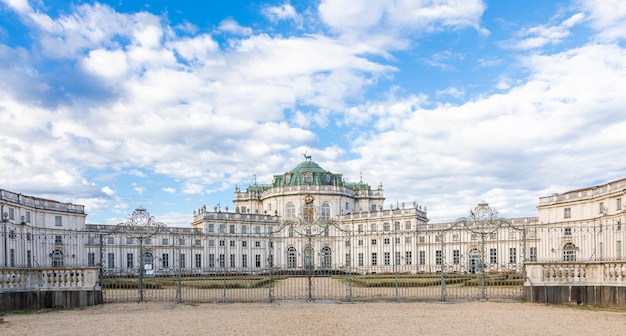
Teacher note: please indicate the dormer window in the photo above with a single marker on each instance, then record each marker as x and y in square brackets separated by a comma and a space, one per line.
[308, 178]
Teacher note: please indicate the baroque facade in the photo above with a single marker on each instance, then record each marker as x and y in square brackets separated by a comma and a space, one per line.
[310, 218]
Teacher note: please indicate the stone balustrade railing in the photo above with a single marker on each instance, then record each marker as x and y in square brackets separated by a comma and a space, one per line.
[576, 273]
[75, 278]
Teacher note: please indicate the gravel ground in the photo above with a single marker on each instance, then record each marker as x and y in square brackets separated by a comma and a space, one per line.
[319, 318]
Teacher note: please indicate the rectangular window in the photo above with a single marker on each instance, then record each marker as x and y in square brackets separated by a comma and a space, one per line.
[422, 239]
[422, 260]
[360, 242]
[257, 229]
[374, 259]
[27, 216]
[244, 229]
[243, 209]
[58, 221]
[91, 259]
[438, 257]
[533, 253]
[231, 229]
[148, 241]
[618, 204]
[129, 240]
[512, 255]
[618, 249]
[58, 239]
[165, 241]
[386, 241]
[182, 261]
[29, 259]
[373, 241]
[210, 228]
[181, 241]
[348, 261]
[407, 225]
[111, 260]
[130, 260]
[222, 228]
[408, 259]
[456, 257]
[211, 260]
[438, 238]
[11, 213]
[111, 240]
[257, 260]
[222, 243]
[257, 244]
[567, 213]
[244, 243]
[165, 260]
[232, 261]
[198, 260]
[244, 260]
[474, 236]
[397, 239]
[347, 242]
[360, 228]
[12, 257]
[386, 258]
[455, 237]
[232, 243]
[493, 256]
[222, 260]
[408, 240]
[198, 242]
[567, 231]
[398, 257]
[211, 242]
[601, 207]
[360, 259]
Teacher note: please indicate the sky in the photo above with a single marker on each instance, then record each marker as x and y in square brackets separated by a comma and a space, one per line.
[171, 105]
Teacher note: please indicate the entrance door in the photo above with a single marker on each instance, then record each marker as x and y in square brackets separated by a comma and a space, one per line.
[291, 258]
[474, 261]
[148, 263]
[308, 261]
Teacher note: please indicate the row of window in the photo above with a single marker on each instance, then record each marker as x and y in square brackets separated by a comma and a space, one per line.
[567, 212]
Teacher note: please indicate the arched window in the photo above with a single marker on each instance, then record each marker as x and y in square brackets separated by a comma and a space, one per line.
[325, 211]
[291, 211]
[291, 257]
[326, 261]
[57, 258]
[569, 252]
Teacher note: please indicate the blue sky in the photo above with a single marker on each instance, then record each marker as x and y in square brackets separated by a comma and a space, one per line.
[170, 105]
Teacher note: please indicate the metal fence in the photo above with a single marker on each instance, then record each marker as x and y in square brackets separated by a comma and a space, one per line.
[443, 261]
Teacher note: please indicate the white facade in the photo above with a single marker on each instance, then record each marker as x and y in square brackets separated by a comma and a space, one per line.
[26, 218]
[584, 224]
[310, 218]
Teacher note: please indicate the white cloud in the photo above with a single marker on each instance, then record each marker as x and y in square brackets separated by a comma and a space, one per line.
[108, 191]
[608, 17]
[169, 190]
[542, 35]
[282, 12]
[231, 26]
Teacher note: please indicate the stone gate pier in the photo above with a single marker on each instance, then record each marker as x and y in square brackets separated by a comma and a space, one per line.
[26, 289]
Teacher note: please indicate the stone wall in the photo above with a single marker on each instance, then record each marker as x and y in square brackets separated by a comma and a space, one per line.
[26, 289]
[591, 283]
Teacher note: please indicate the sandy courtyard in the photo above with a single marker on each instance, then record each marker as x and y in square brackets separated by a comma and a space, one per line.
[300, 318]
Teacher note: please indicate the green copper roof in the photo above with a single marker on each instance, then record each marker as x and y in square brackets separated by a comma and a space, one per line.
[307, 166]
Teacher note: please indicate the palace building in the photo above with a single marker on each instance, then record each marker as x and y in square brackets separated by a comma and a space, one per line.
[310, 218]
